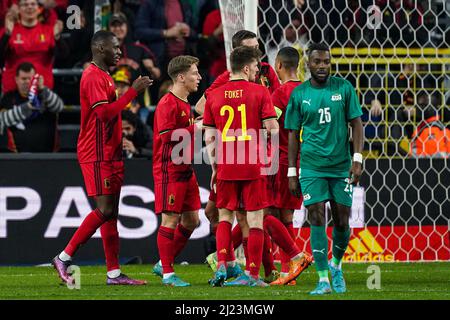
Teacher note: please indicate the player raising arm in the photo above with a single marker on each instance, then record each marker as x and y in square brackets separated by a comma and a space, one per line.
[235, 113]
[99, 152]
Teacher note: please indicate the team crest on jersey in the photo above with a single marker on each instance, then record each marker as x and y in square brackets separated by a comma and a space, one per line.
[107, 183]
[42, 37]
[183, 114]
[171, 199]
[336, 97]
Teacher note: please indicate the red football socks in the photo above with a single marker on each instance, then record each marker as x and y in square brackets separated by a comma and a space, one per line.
[280, 235]
[283, 255]
[236, 236]
[165, 248]
[180, 238]
[255, 248]
[223, 241]
[111, 243]
[267, 255]
[245, 246]
[86, 230]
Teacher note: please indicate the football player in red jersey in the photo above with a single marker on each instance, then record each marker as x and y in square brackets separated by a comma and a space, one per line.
[267, 77]
[241, 186]
[238, 110]
[177, 195]
[240, 107]
[286, 65]
[99, 152]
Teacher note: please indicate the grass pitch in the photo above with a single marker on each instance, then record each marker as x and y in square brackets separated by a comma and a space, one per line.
[398, 281]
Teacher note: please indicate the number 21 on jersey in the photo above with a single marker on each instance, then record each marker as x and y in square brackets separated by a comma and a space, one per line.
[230, 111]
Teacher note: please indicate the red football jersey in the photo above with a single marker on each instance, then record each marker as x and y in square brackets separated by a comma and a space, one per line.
[238, 109]
[266, 76]
[35, 45]
[280, 99]
[171, 113]
[98, 140]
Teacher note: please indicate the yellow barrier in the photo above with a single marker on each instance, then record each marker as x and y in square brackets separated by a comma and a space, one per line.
[351, 61]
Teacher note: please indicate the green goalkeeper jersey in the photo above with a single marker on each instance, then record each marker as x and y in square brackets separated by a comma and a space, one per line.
[323, 115]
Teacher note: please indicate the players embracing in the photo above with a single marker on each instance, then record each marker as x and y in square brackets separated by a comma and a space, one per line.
[234, 118]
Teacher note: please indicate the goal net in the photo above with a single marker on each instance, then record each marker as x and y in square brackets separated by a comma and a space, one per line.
[397, 56]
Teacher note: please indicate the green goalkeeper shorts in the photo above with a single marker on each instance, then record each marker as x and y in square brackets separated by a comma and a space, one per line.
[316, 190]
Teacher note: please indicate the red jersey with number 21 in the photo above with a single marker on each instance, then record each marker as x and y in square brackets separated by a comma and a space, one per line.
[237, 110]
[98, 140]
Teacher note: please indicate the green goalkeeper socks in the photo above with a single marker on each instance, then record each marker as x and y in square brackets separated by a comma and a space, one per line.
[341, 237]
[319, 245]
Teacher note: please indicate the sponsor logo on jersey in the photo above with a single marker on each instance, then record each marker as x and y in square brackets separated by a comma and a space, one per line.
[306, 196]
[183, 114]
[107, 183]
[336, 97]
[307, 101]
[366, 248]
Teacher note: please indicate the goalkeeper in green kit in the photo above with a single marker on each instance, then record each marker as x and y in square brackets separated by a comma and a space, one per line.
[322, 107]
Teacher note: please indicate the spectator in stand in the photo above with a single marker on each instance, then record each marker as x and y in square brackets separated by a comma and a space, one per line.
[52, 11]
[38, 133]
[129, 8]
[78, 42]
[212, 27]
[122, 80]
[167, 28]
[14, 116]
[137, 137]
[5, 7]
[430, 138]
[10, 118]
[29, 40]
[134, 54]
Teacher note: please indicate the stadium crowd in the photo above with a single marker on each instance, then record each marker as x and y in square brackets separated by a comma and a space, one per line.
[151, 32]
